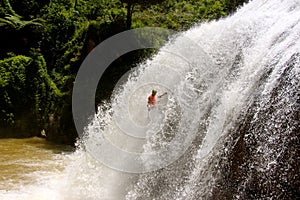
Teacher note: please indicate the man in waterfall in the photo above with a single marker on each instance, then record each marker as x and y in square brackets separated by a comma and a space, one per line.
[152, 99]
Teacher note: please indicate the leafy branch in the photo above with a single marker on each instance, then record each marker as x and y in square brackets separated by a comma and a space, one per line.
[15, 22]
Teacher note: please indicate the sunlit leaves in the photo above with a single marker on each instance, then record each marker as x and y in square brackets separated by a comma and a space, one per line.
[15, 22]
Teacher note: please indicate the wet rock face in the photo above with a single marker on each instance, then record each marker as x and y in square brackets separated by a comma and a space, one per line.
[275, 135]
[55, 130]
[264, 162]
[23, 127]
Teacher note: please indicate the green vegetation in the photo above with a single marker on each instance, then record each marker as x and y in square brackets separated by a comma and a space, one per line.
[43, 43]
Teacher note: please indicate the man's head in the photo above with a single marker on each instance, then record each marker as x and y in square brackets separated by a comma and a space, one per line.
[154, 92]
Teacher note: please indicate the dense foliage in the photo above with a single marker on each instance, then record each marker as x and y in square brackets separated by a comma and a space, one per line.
[43, 43]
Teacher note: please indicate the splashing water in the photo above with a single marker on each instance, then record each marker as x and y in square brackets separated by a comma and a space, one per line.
[228, 128]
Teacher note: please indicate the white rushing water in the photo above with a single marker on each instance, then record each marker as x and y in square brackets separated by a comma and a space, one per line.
[227, 122]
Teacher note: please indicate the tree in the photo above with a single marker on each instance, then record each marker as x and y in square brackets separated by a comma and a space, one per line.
[130, 7]
[232, 5]
[15, 21]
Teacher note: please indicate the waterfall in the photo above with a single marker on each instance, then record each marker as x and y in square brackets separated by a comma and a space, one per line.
[247, 140]
[228, 128]
[231, 122]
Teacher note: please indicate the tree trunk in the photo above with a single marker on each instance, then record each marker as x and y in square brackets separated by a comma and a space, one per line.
[75, 4]
[129, 15]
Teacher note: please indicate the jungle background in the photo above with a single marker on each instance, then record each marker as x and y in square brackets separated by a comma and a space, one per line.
[44, 42]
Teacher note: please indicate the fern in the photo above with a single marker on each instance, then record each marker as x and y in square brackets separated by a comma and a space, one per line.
[15, 22]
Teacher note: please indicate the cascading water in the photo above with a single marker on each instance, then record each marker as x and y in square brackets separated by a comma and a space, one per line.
[247, 142]
[230, 122]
